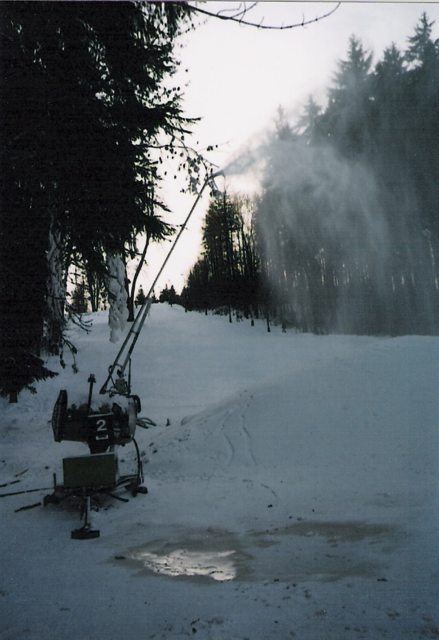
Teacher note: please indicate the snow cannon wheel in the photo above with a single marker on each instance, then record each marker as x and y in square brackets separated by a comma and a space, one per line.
[59, 416]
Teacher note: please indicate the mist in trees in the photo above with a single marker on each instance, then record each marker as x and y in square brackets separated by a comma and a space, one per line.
[346, 223]
[351, 193]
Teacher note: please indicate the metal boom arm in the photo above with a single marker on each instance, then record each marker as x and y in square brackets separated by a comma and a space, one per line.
[123, 357]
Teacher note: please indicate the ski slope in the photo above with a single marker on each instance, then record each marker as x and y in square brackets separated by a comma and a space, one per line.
[293, 491]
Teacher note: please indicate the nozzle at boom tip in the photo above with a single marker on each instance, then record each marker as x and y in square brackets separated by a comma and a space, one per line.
[216, 192]
[220, 172]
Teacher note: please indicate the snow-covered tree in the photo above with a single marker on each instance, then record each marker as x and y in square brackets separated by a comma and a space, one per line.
[117, 296]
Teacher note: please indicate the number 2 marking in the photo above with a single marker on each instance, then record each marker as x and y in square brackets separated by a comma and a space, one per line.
[101, 429]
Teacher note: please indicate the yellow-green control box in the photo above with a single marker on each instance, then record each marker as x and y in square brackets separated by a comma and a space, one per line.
[99, 470]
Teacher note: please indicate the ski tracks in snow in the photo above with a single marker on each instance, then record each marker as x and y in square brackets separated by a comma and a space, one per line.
[227, 434]
[246, 432]
[237, 435]
[229, 443]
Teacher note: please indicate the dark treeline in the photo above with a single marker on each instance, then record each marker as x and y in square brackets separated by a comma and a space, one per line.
[345, 234]
[227, 274]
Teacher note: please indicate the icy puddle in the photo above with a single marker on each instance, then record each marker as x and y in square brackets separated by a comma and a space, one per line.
[323, 551]
[218, 565]
[209, 554]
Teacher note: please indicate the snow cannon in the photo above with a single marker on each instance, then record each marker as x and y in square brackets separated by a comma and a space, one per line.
[100, 427]
[113, 422]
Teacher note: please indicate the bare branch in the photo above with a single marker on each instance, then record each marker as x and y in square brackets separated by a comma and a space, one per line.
[239, 18]
[240, 11]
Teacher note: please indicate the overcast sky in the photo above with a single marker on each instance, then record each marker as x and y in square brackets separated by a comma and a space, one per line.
[238, 77]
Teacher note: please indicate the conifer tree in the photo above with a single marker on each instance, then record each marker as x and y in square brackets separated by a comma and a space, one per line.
[78, 300]
[140, 298]
[84, 103]
[226, 276]
[348, 113]
[422, 50]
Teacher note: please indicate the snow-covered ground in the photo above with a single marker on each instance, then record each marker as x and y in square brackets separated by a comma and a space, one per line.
[293, 492]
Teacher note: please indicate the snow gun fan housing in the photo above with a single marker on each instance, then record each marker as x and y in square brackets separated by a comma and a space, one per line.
[112, 423]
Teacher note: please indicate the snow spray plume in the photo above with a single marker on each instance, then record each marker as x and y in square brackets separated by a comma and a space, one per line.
[313, 205]
[328, 249]
[328, 213]
[249, 160]
[246, 161]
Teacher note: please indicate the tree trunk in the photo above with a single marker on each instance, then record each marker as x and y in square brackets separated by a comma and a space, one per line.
[130, 305]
